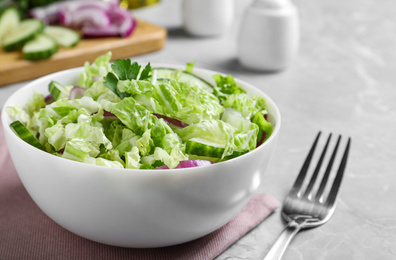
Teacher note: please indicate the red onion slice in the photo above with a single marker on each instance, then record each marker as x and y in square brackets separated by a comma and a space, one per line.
[109, 114]
[261, 141]
[85, 16]
[49, 99]
[124, 20]
[172, 121]
[48, 14]
[94, 18]
[189, 164]
[94, 32]
[76, 92]
[77, 4]
[122, 25]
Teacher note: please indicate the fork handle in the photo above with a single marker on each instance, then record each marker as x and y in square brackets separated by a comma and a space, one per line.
[279, 247]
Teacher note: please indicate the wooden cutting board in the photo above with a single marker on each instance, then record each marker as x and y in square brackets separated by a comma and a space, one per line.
[145, 38]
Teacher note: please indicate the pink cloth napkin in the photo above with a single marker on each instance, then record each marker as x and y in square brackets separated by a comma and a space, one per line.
[27, 233]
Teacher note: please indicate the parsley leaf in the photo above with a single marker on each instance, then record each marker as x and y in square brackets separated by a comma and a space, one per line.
[125, 69]
[111, 82]
[146, 71]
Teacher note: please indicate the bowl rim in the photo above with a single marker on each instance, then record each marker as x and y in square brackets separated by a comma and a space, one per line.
[196, 70]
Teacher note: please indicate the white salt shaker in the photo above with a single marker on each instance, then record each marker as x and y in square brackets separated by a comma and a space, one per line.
[206, 18]
[269, 35]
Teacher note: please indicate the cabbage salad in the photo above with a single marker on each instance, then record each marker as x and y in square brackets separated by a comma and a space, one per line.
[124, 115]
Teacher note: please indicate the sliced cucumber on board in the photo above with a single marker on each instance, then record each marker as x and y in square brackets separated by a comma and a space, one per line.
[63, 36]
[24, 133]
[41, 47]
[24, 32]
[9, 20]
[185, 77]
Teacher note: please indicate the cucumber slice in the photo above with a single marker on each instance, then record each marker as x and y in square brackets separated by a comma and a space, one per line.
[25, 134]
[235, 154]
[62, 36]
[9, 20]
[24, 32]
[206, 158]
[59, 91]
[201, 148]
[55, 89]
[185, 77]
[41, 47]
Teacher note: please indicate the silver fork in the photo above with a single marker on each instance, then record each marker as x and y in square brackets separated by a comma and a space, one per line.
[304, 208]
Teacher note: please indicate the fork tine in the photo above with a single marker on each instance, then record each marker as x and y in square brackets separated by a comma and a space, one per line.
[327, 172]
[337, 181]
[301, 176]
[316, 171]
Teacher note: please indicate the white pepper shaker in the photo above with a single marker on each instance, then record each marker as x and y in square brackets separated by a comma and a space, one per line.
[269, 35]
[207, 18]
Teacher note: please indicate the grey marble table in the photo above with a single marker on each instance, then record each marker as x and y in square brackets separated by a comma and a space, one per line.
[343, 81]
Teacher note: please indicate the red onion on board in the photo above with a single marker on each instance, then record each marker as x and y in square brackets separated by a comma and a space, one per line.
[94, 18]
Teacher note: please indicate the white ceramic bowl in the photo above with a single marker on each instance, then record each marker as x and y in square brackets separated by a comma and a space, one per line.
[137, 208]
